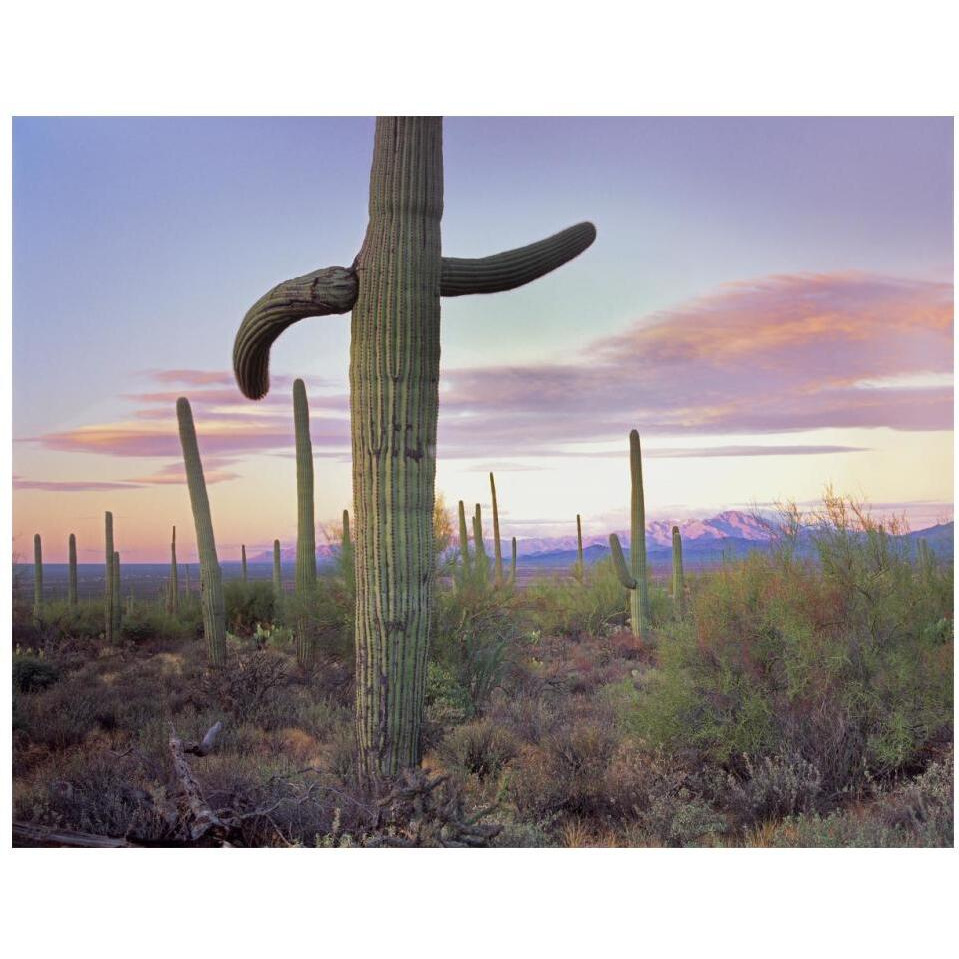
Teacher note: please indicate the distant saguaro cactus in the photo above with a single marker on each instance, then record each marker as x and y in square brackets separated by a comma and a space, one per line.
[173, 601]
[479, 547]
[243, 561]
[72, 598]
[211, 580]
[678, 581]
[464, 539]
[394, 289]
[37, 578]
[580, 563]
[109, 616]
[497, 546]
[634, 576]
[117, 602]
[277, 570]
[512, 573]
[305, 522]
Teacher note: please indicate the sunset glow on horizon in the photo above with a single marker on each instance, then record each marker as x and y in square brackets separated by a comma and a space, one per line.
[769, 302]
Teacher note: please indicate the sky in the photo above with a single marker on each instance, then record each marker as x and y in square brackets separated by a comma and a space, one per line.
[768, 301]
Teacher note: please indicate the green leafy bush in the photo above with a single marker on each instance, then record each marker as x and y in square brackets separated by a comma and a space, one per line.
[248, 604]
[33, 673]
[560, 606]
[147, 623]
[83, 621]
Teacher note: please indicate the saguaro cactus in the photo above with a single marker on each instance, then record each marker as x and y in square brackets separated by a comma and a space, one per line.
[243, 561]
[72, 597]
[305, 522]
[464, 539]
[512, 572]
[580, 563]
[633, 577]
[37, 578]
[394, 289]
[497, 547]
[479, 547]
[678, 582]
[277, 570]
[117, 602]
[109, 616]
[174, 599]
[211, 580]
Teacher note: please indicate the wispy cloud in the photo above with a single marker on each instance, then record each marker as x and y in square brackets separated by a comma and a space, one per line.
[71, 486]
[781, 354]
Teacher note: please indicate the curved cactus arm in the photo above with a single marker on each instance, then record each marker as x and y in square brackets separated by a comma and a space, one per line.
[619, 561]
[334, 289]
[320, 293]
[507, 271]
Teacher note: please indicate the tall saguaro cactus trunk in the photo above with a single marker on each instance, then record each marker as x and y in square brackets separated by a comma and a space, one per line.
[497, 546]
[174, 600]
[394, 289]
[37, 578]
[243, 562]
[580, 562]
[678, 581]
[72, 596]
[211, 580]
[639, 597]
[394, 385]
[109, 616]
[277, 570]
[305, 523]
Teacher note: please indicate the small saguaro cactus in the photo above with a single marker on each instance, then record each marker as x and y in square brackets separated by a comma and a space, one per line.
[305, 522]
[678, 582]
[633, 577]
[117, 603]
[580, 572]
[479, 547]
[173, 600]
[37, 578]
[464, 540]
[497, 547]
[512, 572]
[243, 561]
[72, 580]
[109, 616]
[347, 556]
[211, 580]
[277, 570]
[394, 288]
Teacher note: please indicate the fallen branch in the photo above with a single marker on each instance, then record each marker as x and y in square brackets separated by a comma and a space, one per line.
[198, 819]
[26, 835]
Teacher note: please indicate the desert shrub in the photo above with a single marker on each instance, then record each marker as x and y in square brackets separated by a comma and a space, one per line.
[772, 787]
[248, 687]
[475, 630]
[248, 604]
[918, 813]
[827, 662]
[328, 612]
[480, 748]
[83, 621]
[562, 606]
[149, 622]
[33, 673]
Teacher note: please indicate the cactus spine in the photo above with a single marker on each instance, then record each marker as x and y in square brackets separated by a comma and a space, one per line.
[174, 598]
[37, 578]
[464, 539]
[305, 528]
[633, 576]
[277, 570]
[394, 289]
[497, 548]
[72, 579]
[211, 581]
[243, 561]
[678, 581]
[108, 563]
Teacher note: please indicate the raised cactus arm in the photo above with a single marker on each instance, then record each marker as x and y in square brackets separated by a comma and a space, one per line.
[619, 561]
[334, 289]
[514, 268]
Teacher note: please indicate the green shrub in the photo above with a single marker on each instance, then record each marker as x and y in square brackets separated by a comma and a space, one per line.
[33, 673]
[83, 621]
[328, 610]
[561, 606]
[147, 623]
[248, 604]
[480, 748]
[833, 662]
